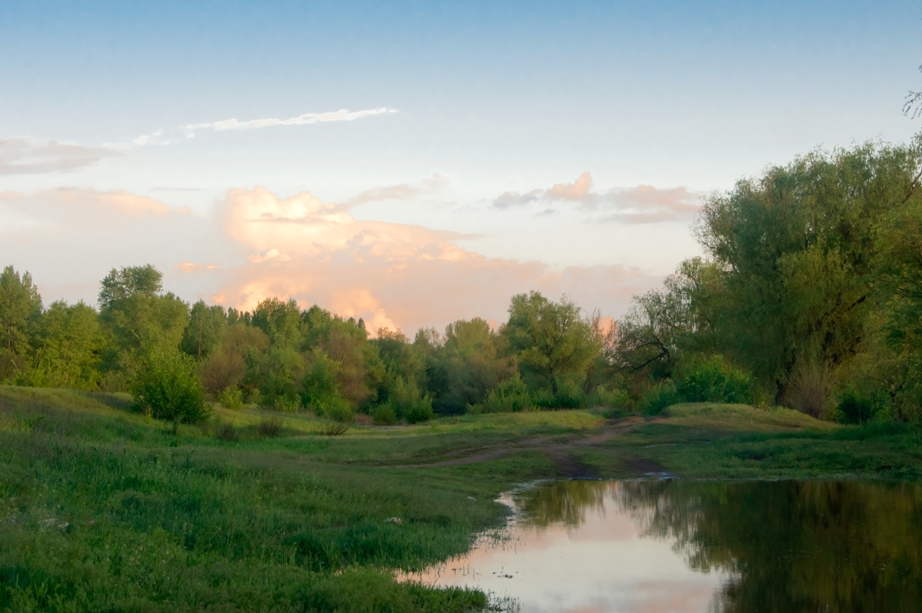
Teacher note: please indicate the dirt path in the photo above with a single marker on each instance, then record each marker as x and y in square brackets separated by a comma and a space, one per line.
[558, 448]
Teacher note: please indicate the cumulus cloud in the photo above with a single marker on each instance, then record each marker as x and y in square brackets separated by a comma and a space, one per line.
[259, 245]
[19, 156]
[640, 204]
[389, 274]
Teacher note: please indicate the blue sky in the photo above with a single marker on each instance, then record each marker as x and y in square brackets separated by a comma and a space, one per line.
[486, 104]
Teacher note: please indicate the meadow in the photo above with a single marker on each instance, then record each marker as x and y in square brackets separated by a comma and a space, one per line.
[103, 509]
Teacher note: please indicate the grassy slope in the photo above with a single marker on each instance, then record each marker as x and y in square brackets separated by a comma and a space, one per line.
[102, 510]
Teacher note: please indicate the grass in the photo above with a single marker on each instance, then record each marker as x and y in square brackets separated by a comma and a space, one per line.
[102, 509]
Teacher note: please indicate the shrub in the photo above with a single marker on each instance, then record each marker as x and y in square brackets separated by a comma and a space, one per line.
[613, 399]
[226, 432]
[384, 415]
[509, 396]
[165, 387]
[858, 408]
[333, 428]
[714, 380]
[809, 388]
[337, 409]
[408, 402]
[284, 404]
[269, 427]
[420, 411]
[657, 397]
[232, 398]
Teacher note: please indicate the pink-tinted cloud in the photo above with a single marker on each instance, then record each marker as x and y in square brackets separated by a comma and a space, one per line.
[402, 191]
[258, 245]
[640, 204]
[390, 274]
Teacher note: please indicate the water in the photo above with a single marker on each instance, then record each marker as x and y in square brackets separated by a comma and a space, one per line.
[677, 546]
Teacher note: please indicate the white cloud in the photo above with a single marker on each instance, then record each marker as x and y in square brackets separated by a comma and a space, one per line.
[20, 156]
[300, 120]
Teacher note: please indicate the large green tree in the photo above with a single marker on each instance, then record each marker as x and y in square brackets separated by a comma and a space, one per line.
[69, 346]
[139, 317]
[552, 340]
[20, 314]
[798, 256]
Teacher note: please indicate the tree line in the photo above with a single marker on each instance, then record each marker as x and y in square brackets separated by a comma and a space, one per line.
[173, 356]
[809, 295]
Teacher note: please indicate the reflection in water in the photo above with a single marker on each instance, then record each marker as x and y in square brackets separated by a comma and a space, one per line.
[704, 546]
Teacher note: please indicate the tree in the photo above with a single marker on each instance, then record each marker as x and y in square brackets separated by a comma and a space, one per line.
[69, 346]
[551, 339]
[797, 255]
[166, 388]
[20, 312]
[204, 331]
[138, 316]
[473, 359]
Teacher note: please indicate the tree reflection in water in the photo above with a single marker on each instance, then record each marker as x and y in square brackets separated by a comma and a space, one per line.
[789, 545]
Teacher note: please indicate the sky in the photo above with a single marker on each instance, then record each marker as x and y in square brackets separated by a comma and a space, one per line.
[414, 163]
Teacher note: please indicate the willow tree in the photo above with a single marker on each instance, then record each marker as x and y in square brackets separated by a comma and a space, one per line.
[798, 252]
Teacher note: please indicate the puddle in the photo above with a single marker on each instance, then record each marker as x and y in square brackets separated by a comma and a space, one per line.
[676, 546]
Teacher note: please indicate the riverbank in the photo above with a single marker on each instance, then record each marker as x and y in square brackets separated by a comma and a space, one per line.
[102, 509]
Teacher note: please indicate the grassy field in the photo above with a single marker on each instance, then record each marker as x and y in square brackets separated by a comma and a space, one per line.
[104, 510]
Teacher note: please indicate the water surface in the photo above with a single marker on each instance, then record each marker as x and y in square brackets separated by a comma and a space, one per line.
[677, 546]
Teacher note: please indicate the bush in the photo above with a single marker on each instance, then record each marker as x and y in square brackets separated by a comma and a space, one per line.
[857, 408]
[408, 402]
[657, 397]
[336, 408]
[614, 399]
[166, 388]
[568, 396]
[269, 427]
[384, 415]
[420, 411]
[713, 380]
[284, 404]
[226, 432]
[509, 396]
[231, 398]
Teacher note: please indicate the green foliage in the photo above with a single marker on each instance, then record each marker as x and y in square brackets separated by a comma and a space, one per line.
[714, 380]
[470, 362]
[204, 331]
[68, 347]
[166, 388]
[798, 253]
[551, 339]
[384, 415]
[138, 317]
[232, 398]
[509, 396]
[568, 395]
[407, 402]
[856, 407]
[617, 398]
[657, 397]
[20, 313]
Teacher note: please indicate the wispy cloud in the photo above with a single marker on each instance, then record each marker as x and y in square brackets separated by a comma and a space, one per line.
[193, 267]
[301, 120]
[640, 204]
[402, 191]
[19, 156]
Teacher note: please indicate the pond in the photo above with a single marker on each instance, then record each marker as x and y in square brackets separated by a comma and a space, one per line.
[690, 546]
